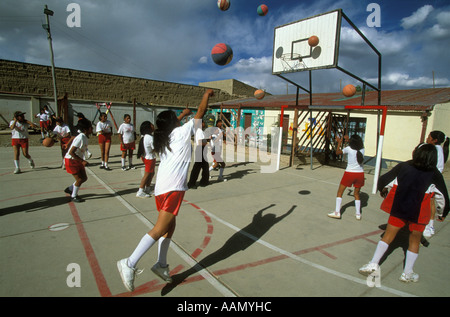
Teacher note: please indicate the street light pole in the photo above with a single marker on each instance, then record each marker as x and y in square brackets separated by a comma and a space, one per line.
[48, 12]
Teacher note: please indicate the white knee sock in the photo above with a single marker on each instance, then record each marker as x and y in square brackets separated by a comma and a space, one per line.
[146, 243]
[411, 258]
[379, 252]
[338, 204]
[358, 206]
[75, 191]
[163, 247]
[122, 160]
[16, 163]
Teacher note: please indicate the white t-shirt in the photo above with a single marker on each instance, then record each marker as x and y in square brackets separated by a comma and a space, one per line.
[81, 143]
[127, 131]
[62, 130]
[104, 127]
[20, 131]
[148, 146]
[440, 158]
[352, 161]
[217, 140]
[174, 165]
[43, 117]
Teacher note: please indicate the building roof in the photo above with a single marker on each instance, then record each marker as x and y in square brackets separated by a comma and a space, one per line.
[413, 99]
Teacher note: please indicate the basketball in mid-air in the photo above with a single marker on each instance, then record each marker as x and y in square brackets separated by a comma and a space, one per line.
[48, 142]
[349, 91]
[313, 41]
[259, 94]
[222, 54]
[223, 5]
[262, 10]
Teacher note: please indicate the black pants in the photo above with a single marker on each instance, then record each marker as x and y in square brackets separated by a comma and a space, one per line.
[204, 167]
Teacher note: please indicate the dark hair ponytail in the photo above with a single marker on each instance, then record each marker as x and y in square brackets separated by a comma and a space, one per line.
[146, 128]
[356, 143]
[445, 148]
[166, 121]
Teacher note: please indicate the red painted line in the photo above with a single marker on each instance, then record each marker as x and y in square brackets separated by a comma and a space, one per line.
[196, 253]
[93, 262]
[205, 242]
[210, 229]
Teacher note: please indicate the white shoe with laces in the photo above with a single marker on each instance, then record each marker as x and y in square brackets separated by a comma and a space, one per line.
[162, 272]
[369, 269]
[127, 274]
[409, 277]
[335, 215]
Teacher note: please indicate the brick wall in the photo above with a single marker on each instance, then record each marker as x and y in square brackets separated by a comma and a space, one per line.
[24, 78]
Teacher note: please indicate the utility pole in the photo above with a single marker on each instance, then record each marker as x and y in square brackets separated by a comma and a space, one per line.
[46, 27]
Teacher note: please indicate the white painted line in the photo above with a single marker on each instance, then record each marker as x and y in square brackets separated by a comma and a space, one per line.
[185, 256]
[304, 261]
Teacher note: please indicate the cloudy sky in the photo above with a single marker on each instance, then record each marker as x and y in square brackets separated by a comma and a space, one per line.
[171, 40]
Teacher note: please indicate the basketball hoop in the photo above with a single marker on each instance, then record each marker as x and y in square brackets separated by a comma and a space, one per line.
[292, 61]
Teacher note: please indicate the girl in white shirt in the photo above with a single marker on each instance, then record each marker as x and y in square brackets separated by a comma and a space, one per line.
[353, 175]
[19, 138]
[173, 143]
[75, 159]
[145, 152]
[441, 142]
[127, 141]
[62, 131]
[104, 132]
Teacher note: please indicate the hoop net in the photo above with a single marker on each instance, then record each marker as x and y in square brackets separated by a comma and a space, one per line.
[292, 61]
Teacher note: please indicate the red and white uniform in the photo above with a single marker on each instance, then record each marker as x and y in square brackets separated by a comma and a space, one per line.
[411, 191]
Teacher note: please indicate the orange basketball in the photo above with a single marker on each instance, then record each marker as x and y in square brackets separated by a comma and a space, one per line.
[313, 41]
[48, 142]
[259, 94]
[349, 91]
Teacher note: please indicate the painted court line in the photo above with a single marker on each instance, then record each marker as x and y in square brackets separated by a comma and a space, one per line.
[183, 254]
[304, 261]
[219, 286]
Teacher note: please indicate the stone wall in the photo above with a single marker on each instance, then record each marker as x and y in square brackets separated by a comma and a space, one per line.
[32, 79]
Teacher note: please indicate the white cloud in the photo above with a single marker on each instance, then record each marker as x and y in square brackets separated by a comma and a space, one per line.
[443, 18]
[417, 17]
[406, 80]
[203, 60]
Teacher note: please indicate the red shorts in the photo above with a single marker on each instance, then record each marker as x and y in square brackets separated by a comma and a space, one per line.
[104, 138]
[23, 143]
[73, 166]
[43, 124]
[169, 202]
[355, 179]
[149, 165]
[65, 140]
[400, 223]
[127, 146]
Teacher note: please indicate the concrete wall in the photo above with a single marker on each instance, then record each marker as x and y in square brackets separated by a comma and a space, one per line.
[31, 79]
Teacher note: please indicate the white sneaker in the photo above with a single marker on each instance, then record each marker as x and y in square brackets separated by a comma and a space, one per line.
[162, 272]
[17, 171]
[369, 269]
[409, 277]
[32, 164]
[358, 216]
[142, 195]
[335, 215]
[429, 231]
[127, 274]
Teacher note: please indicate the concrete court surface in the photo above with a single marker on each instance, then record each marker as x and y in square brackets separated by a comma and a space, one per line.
[255, 235]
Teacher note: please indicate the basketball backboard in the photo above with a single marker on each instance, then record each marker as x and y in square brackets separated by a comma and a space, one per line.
[291, 51]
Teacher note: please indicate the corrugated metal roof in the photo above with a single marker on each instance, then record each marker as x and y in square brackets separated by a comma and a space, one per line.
[413, 99]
